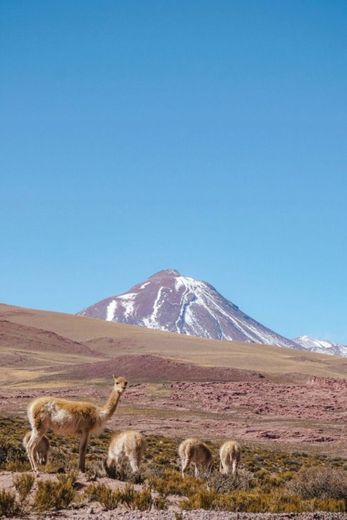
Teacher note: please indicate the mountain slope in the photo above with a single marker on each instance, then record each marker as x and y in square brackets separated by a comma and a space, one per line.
[171, 302]
[322, 346]
[111, 340]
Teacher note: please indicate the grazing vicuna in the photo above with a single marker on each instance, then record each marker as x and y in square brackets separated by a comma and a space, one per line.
[128, 445]
[41, 450]
[70, 417]
[230, 454]
[193, 451]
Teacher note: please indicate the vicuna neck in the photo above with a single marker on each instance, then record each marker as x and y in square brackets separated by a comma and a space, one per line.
[111, 404]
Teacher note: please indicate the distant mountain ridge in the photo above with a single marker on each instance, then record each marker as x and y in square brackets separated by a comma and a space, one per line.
[171, 302]
[322, 346]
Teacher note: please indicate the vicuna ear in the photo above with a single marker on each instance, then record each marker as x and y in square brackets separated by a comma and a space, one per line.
[114, 377]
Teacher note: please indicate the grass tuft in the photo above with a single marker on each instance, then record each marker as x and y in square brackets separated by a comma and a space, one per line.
[317, 482]
[54, 494]
[8, 504]
[23, 484]
[103, 494]
[128, 497]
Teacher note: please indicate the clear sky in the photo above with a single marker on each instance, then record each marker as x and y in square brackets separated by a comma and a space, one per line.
[206, 136]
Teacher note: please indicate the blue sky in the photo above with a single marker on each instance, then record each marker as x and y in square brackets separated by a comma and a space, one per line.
[205, 136]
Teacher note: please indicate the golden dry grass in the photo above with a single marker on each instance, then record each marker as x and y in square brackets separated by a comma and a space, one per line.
[112, 339]
[268, 481]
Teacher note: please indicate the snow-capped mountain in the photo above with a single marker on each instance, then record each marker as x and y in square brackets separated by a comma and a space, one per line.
[175, 303]
[322, 346]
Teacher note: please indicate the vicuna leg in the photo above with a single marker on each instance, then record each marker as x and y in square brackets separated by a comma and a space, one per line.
[42, 458]
[234, 466]
[185, 464]
[223, 467]
[31, 448]
[83, 449]
[42, 451]
[196, 470]
[209, 470]
[134, 463]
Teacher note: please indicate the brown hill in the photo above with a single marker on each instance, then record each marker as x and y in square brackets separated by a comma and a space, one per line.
[149, 368]
[111, 340]
[23, 337]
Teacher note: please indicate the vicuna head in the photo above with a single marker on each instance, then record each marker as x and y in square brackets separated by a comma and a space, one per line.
[120, 384]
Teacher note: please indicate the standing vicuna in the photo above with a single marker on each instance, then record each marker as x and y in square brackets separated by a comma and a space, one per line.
[128, 445]
[70, 417]
[193, 451]
[230, 454]
[41, 450]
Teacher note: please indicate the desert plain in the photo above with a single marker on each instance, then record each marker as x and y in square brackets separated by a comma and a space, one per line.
[268, 398]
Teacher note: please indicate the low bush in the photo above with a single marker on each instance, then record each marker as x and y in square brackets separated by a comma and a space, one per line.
[103, 494]
[160, 503]
[54, 494]
[172, 483]
[12, 454]
[141, 500]
[8, 503]
[258, 502]
[23, 484]
[127, 497]
[244, 480]
[318, 482]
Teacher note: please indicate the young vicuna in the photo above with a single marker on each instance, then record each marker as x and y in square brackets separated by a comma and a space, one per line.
[230, 454]
[128, 445]
[193, 451]
[41, 450]
[70, 417]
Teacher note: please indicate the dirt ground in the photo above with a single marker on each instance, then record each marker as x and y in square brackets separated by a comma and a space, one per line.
[310, 416]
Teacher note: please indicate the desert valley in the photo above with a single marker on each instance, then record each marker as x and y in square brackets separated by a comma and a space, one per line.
[279, 403]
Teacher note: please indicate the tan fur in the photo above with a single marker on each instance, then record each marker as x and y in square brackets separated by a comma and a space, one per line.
[230, 455]
[70, 417]
[128, 445]
[41, 450]
[193, 451]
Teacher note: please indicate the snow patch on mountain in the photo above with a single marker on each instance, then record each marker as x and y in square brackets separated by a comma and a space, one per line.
[322, 346]
[110, 310]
